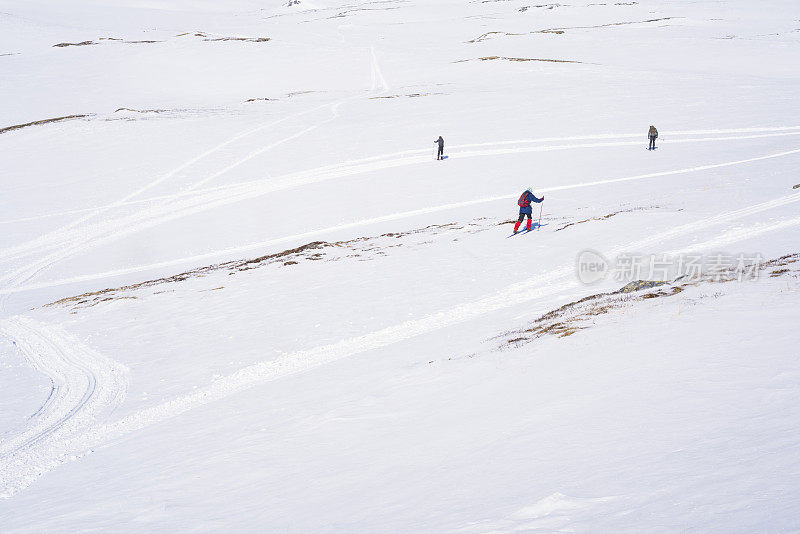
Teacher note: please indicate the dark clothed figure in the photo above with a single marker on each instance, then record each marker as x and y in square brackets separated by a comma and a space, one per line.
[440, 152]
[653, 135]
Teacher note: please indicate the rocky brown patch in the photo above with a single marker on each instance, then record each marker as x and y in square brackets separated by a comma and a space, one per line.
[142, 110]
[43, 121]
[609, 25]
[488, 35]
[523, 9]
[562, 30]
[410, 95]
[362, 249]
[206, 37]
[581, 314]
[502, 58]
[82, 43]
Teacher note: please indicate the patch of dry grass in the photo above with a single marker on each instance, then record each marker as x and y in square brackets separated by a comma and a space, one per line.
[606, 217]
[562, 30]
[82, 43]
[582, 314]
[43, 121]
[361, 248]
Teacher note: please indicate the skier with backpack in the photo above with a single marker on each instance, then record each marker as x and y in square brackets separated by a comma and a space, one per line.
[525, 208]
[653, 135]
[440, 152]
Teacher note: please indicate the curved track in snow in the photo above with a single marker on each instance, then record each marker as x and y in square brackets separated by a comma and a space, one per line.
[184, 208]
[73, 242]
[786, 130]
[85, 387]
[66, 234]
[542, 285]
[65, 436]
[459, 150]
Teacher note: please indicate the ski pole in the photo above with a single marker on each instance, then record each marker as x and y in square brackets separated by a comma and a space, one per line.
[540, 216]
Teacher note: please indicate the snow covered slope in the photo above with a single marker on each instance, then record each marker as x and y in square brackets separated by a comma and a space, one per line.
[238, 292]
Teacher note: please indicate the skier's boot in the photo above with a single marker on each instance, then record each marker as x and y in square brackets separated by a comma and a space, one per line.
[516, 226]
[529, 224]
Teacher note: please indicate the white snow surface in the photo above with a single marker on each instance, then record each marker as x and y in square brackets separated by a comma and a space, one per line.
[238, 293]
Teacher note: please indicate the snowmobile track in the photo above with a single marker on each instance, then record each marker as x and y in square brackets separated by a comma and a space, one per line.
[68, 243]
[786, 130]
[195, 205]
[28, 465]
[84, 387]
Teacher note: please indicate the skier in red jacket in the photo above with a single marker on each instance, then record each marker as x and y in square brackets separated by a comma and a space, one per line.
[525, 208]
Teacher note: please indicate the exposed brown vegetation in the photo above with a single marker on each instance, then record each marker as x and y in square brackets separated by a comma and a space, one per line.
[411, 95]
[205, 37]
[287, 95]
[82, 43]
[113, 39]
[581, 314]
[561, 30]
[492, 58]
[362, 249]
[43, 121]
[609, 25]
[246, 39]
[487, 35]
[347, 12]
[523, 9]
[605, 217]
[142, 110]
[788, 259]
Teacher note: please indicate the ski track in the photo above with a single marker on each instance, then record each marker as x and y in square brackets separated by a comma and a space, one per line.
[188, 164]
[51, 240]
[378, 81]
[71, 244]
[58, 238]
[394, 154]
[26, 465]
[194, 205]
[334, 112]
[85, 387]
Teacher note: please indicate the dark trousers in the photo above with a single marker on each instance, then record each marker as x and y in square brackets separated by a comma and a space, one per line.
[652, 142]
[440, 152]
[523, 215]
